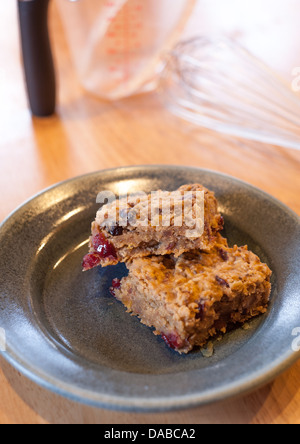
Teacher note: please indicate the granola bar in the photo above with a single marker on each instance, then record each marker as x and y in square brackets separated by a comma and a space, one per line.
[193, 297]
[160, 223]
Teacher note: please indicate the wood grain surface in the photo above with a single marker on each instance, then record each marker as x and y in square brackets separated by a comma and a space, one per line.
[87, 134]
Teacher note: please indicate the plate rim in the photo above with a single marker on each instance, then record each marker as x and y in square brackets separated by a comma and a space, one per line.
[157, 405]
[137, 167]
[144, 404]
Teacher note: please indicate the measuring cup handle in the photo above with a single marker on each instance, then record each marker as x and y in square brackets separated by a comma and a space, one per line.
[37, 56]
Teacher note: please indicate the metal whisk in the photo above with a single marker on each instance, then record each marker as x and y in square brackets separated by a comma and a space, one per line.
[219, 85]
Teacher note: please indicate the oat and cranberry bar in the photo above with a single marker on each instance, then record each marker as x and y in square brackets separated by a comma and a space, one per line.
[193, 297]
[159, 223]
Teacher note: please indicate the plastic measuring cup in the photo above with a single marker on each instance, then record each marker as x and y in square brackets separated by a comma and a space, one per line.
[117, 45]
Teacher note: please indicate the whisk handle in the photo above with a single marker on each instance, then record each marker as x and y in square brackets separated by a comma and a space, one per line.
[37, 56]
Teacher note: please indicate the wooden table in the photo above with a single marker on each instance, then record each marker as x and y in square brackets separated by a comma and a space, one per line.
[87, 134]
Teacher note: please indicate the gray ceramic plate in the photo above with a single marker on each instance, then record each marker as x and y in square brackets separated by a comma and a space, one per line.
[67, 333]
